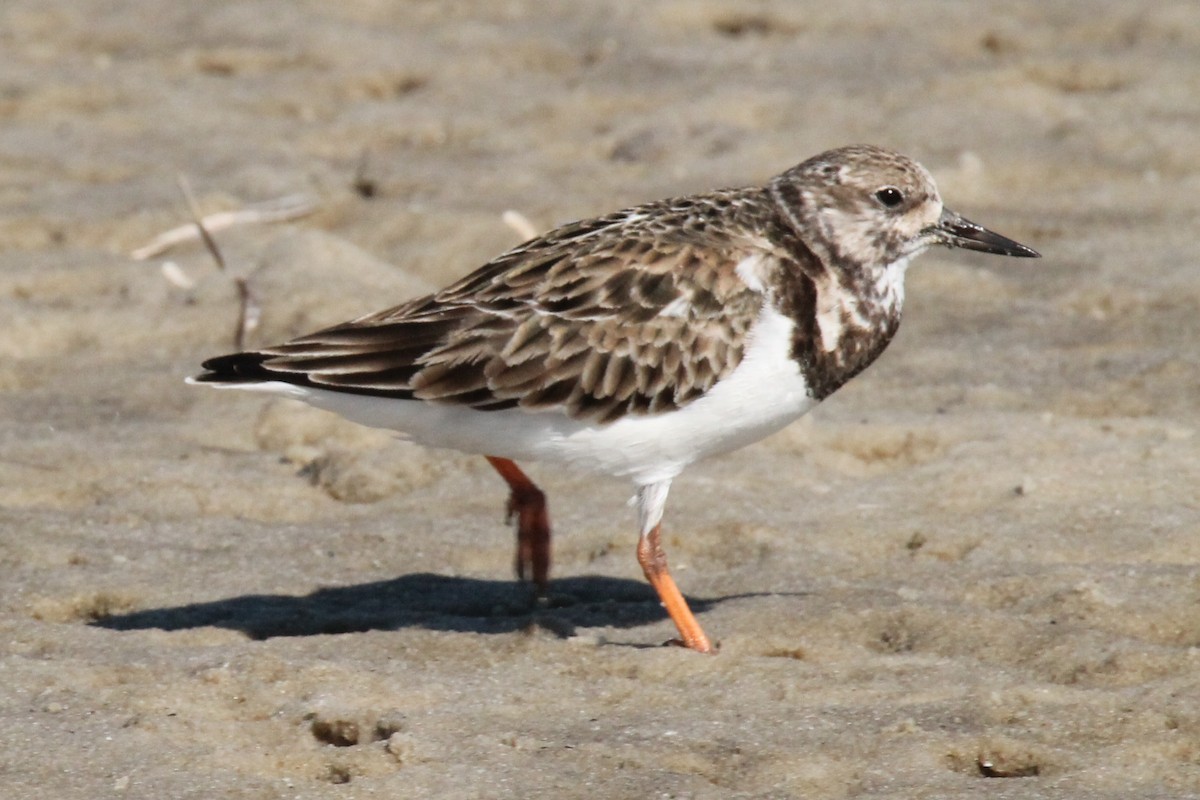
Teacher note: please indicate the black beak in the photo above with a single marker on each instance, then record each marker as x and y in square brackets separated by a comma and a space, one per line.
[955, 231]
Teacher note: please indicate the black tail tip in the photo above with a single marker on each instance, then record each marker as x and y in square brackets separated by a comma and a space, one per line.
[233, 368]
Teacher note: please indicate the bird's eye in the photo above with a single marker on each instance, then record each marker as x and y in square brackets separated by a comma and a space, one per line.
[890, 196]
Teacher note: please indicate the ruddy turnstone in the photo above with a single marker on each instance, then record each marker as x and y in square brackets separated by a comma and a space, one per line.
[639, 342]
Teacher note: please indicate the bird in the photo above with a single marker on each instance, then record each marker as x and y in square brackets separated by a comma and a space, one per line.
[637, 343]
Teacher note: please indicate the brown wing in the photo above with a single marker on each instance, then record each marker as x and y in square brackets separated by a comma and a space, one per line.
[639, 312]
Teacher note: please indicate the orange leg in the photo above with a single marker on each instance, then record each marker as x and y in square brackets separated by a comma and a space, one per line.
[527, 505]
[654, 563]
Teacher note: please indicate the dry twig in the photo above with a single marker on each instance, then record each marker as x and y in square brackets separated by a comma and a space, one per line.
[249, 312]
[281, 210]
[519, 223]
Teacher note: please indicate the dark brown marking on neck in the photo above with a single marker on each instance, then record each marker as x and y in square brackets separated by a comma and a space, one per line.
[799, 282]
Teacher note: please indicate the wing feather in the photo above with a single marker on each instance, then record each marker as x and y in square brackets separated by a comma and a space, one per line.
[639, 312]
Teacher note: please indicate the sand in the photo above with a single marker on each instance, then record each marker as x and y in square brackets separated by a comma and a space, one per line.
[973, 572]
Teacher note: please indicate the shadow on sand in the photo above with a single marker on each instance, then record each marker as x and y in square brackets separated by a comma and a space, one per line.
[422, 600]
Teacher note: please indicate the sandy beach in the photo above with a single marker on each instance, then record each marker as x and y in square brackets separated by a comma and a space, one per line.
[974, 571]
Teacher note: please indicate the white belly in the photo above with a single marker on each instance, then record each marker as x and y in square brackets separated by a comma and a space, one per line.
[760, 397]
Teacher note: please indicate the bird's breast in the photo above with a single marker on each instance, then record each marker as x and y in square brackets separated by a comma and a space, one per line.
[842, 323]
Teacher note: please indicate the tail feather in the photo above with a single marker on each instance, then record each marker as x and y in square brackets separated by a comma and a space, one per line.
[235, 368]
[247, 369]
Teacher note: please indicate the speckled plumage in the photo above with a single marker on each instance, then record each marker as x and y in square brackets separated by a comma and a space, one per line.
[640, 311]
[641, 341]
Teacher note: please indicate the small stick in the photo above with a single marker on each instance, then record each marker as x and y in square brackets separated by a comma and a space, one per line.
[198, 220]
[519, 223]
[281, 210]
[249, 311]
[176, 276]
